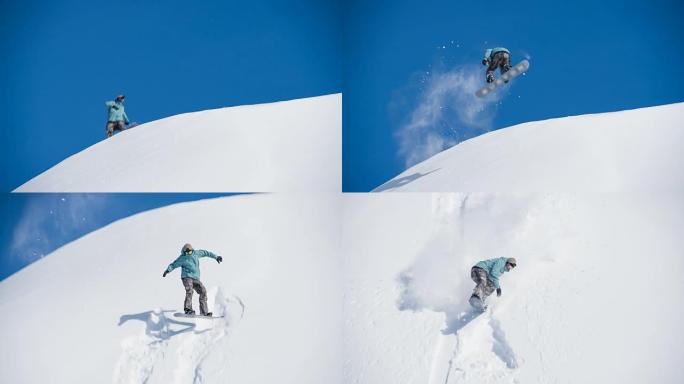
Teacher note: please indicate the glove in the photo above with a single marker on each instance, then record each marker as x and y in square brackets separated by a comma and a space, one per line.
[127, 123]
[115, 107]
[219, 259]
[165, 273]
[498, 292]
[485, 61]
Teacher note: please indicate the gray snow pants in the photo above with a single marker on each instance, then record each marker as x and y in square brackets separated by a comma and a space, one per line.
[193, 284]
[484, 286]
[501, 60]
[115, 126]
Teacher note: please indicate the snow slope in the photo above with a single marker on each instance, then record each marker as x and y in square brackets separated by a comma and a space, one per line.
[595, 297]
[286, 146]
[631, 150]
[98, 309]
[361, 288]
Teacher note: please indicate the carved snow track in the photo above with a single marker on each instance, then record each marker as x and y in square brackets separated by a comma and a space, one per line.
[475, 353]
[191, 341]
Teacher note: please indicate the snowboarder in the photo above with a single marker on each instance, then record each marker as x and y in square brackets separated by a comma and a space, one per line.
[486, 275]
[117, 119]
[188, 261]
[496, 57]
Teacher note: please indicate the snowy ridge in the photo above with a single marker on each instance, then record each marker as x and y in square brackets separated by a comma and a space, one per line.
[286, 146]
[581, 290]
[634, 150]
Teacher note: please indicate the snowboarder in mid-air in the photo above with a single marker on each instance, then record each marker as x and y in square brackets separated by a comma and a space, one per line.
[498, 57]
[188, 261]
[117, 120]
[486, 275]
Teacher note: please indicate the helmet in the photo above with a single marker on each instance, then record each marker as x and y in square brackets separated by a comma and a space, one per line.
[187, 248]
[511, 261]
[120, 97]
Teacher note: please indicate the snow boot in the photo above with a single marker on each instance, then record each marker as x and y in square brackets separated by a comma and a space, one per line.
[189, 312]
[208, 314]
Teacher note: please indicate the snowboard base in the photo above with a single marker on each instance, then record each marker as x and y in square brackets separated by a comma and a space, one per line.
[478, 304]
[178, 314]
[521, 67]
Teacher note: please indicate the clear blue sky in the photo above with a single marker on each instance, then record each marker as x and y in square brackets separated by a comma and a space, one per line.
[62, 59]
[33, 225]
[586, 56]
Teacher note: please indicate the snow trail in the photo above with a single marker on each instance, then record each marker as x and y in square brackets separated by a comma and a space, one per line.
[141, 353]
[466, 228]
[196, 348]
[501, 347]
[197, 338]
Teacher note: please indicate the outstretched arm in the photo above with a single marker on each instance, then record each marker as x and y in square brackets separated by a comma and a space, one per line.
[171, 267]
[203, 253]
[125, 116]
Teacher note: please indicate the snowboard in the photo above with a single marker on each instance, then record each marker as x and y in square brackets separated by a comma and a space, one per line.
[126, 128]
[478, 304]
[521, 67]
[178, 314]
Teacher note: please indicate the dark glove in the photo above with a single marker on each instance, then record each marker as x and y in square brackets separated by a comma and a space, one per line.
[219, 259]
[165, 273]
[115, 107]
[485, 62]
[127, 123]
[498, 291]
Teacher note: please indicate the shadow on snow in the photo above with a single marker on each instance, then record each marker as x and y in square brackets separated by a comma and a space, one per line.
[158, 325]
[400, 182]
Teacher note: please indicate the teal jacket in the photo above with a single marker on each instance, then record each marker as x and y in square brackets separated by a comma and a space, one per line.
[116, 111]
[189, 263]
[495, 268]
[493, 51]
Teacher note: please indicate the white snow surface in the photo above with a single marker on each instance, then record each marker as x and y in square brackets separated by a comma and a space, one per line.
[361, 288]
[633, 150]
[98, 309]
[595, 297]
[277, 147]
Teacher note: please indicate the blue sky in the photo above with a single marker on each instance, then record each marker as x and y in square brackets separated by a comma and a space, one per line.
[586, 57]
[35, 224]
[61, 60]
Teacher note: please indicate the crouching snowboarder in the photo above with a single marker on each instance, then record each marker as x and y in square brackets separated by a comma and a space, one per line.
[498, 57]
[486, 275]
[117, 120]
[188, 261]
